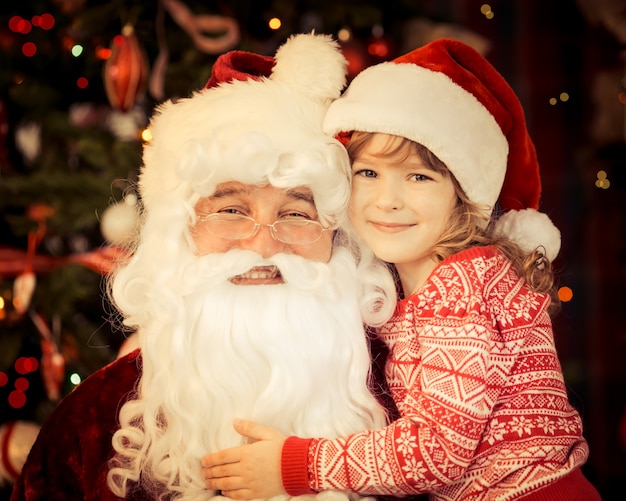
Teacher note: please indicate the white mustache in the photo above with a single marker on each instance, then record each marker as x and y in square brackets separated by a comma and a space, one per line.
[213, 269]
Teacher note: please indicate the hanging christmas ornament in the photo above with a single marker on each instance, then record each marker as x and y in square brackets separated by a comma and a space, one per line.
[23, 289]
[126, 70]
[16, 440]
[24, 285]
[210, 34]
[119, 221]
[86, 115]
[28, 141]
[52, 360]
[127, 126]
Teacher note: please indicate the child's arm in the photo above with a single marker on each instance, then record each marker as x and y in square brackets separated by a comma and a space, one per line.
[255, 466]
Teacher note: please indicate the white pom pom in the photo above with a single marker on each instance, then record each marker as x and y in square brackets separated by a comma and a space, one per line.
[312, 64]
[119, 222]
[530, 229]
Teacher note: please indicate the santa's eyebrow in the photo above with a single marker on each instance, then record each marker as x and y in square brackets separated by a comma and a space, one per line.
[301, 194]
[229, 192]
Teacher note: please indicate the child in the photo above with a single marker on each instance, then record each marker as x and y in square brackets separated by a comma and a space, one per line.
[442, 150]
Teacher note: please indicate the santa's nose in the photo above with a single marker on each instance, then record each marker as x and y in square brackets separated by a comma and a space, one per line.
[263, 243]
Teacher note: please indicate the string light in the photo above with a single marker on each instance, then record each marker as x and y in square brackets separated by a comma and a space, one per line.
[274, 23]
[344, 34]
[18, 24]
[21, 384]
[75, 379]
[17, 399]
[82, 83]
[103, 53]
[29, 49]
[77, 50]
[146, 135]
[118, 40]
[47, 22]
[565, 294]
[602, 181]
[25, 365]
[485, 9]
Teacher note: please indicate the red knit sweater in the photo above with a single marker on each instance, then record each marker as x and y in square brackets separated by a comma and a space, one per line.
[474, 372]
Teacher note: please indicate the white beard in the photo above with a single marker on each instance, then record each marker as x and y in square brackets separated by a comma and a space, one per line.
[292, 356]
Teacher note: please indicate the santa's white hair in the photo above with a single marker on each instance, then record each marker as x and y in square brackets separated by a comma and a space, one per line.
[294, 355]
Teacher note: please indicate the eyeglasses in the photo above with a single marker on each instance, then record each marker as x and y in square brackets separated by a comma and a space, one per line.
[239, 227]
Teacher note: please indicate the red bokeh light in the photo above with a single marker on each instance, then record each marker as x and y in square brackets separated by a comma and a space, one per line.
[21, 384]
[29, 49]
[103, 53]
[17, 399]
[33, 364]
[47, 21]
[15, 24]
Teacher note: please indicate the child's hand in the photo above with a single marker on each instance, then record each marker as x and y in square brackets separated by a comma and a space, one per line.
[248, 471]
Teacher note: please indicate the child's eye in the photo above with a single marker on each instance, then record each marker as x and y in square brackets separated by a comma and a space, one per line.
[420, 177]
[365, 173]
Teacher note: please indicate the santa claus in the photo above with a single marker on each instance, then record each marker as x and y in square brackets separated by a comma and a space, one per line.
[247, 291]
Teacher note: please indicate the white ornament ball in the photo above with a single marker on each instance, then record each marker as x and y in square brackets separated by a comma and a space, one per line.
[119, 222]
[16, 440]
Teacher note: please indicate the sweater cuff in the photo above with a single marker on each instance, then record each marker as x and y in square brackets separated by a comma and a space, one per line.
[294, 466]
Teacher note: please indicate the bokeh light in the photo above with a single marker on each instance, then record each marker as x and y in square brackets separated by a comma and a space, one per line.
[21, 384]
[29, 49]
[75, 379]
[274, 23]
[565, 294]
[17, 399]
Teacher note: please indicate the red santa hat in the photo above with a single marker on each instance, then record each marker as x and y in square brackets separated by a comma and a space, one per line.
[449, 98]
